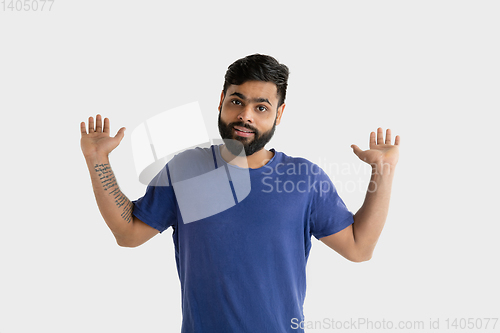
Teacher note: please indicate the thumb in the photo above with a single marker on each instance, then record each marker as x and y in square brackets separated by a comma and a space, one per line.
[120, 134]
[356, 150]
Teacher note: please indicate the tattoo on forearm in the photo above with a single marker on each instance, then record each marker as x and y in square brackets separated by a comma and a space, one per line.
[108, 181]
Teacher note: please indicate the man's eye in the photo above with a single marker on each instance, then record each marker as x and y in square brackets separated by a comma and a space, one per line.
[235, 101]
[262, 108]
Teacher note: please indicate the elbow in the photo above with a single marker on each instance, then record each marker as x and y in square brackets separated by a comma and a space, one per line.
[125, 242]
[362, 253]
[361, 257]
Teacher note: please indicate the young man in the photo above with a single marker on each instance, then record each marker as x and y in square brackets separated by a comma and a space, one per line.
[243, 268]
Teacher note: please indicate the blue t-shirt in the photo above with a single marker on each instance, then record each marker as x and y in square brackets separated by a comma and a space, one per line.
[242, 236]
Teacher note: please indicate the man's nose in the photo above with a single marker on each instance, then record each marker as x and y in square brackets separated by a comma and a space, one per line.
[246, 115]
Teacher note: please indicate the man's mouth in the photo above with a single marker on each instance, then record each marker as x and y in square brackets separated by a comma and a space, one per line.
[242, 131]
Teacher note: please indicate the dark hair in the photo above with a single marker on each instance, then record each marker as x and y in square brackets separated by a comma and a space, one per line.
[258, 67]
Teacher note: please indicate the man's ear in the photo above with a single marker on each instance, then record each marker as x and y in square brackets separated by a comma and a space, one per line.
[279, 113]
[221, 100]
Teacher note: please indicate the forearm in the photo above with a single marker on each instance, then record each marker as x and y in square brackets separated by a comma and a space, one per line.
[370, 218]
[115, 207]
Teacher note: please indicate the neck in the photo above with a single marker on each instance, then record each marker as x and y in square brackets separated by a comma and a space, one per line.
[254, 161]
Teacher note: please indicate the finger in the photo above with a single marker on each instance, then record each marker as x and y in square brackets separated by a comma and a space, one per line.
[372, 139]
[397, 140]
[106, 125]
[120, 134]
[388, 137]
[83, 129]
[380, 136]
[91, 125]
[98, 123]
[356, 150]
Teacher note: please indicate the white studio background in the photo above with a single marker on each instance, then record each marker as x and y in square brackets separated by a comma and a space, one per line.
[426, 69]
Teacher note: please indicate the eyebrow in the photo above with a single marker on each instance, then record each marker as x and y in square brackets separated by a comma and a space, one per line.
[255, 100]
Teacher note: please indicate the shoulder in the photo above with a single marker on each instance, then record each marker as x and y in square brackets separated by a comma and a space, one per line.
[191, 163]
[288, 159]
[196, 154]
[293, 165]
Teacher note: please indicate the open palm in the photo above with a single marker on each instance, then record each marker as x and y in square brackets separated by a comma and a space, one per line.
[381, 152]
[97, 141]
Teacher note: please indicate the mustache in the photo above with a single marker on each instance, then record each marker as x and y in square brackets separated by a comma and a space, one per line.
[240, 124]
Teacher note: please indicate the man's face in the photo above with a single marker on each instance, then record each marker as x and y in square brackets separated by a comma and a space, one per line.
[249, 115]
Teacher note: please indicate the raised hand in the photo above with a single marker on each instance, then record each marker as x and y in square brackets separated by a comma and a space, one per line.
[97, 141]
[381, 152]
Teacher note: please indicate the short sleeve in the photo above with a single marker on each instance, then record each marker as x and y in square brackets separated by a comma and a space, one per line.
[157, 207]
[329, 214]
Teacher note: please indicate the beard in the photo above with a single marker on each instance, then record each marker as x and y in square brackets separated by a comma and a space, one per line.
[235, 143]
